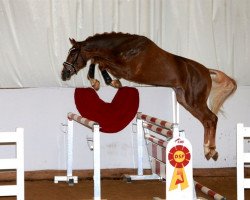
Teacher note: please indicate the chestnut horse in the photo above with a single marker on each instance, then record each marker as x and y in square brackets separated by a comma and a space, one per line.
[136, 58]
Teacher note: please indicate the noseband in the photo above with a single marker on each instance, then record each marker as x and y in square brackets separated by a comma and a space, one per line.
[71, 66]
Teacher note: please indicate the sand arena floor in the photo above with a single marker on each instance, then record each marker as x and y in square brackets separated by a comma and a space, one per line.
[118, 189]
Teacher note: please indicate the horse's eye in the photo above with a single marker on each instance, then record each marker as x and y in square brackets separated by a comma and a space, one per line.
[72, 52]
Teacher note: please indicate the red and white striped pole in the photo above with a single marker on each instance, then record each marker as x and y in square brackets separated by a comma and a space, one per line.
[208, 191]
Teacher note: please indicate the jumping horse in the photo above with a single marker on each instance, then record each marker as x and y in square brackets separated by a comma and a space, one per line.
[138, 59]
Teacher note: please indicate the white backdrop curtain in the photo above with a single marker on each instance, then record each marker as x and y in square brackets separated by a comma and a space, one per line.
[34, 34]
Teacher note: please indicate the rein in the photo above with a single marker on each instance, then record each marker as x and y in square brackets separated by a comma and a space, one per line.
[70, 66]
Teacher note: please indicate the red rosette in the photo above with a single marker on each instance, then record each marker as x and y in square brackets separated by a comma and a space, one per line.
[179, 156]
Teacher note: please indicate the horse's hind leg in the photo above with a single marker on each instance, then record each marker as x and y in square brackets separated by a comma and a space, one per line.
[208, 119]
[209, 122]
[91, 76]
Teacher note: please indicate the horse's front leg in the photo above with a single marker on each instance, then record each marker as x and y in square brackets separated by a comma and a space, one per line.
[91, 76]
[108, 80]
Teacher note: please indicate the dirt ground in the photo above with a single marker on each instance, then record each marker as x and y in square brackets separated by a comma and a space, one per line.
[120, 189]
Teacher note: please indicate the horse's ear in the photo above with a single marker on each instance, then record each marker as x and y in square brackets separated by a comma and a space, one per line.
[72, 41]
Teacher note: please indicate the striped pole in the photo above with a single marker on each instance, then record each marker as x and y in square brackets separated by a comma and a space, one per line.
[208, 191]
[162, 131]
[81, 120]
[155, 121]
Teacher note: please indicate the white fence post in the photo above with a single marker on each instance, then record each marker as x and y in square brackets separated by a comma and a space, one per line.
[97, 163]
[97, 155]
[14, 163]
[242, 158]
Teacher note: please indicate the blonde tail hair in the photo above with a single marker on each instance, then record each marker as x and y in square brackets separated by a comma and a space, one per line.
[222, 87]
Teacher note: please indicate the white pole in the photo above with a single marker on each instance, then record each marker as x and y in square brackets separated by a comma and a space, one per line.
[70, 150]
[176, 109]
[140, 147]
[97, 170]
[20, 168]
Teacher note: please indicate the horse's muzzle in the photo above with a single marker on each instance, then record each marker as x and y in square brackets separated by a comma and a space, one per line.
[65, 75]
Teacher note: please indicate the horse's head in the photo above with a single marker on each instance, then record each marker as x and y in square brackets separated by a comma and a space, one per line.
[74, 61]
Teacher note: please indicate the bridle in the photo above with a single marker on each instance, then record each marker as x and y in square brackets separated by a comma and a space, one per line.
[71, 66]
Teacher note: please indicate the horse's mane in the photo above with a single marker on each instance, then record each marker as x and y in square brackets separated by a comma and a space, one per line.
[129, 44]
[106, 35]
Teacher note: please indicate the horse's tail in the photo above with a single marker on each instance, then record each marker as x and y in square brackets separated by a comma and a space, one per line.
[222, 87]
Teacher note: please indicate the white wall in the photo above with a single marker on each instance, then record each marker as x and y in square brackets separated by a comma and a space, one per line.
[34, 34]
[41, 111]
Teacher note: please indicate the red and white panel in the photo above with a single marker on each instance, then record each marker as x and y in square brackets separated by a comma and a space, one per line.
[158, 167]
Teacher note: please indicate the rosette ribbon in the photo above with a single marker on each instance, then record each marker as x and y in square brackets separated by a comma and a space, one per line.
[179, 156]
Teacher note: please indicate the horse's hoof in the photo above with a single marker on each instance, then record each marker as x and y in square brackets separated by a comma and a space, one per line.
[207, 156]
[116, 84]
[96, 85]
[212, 154]
[215, 156]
